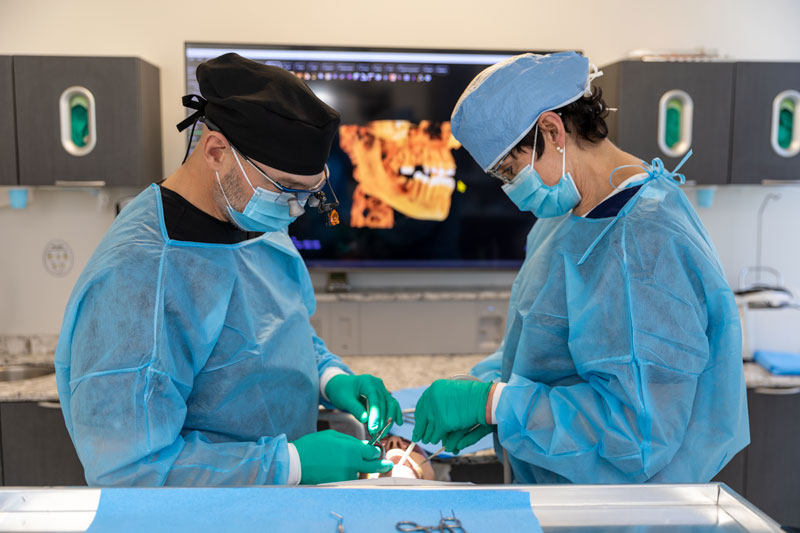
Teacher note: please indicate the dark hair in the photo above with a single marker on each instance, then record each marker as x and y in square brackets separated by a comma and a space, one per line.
[585, 117]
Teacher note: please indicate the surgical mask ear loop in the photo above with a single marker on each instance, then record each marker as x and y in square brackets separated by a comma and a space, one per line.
[242, 169]
[535, 142]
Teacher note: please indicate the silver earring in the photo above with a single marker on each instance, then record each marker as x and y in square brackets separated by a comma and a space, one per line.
[560, 150]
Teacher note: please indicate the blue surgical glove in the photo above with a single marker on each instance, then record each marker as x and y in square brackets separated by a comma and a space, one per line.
[356, 394]
[449, 405]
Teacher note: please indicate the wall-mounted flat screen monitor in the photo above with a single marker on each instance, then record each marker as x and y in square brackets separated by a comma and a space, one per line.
[410, 195]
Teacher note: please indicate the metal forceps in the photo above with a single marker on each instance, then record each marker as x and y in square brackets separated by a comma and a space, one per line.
[380, 433]
[449, 524]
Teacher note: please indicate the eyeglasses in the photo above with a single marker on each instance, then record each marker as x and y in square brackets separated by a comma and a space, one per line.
[506, 175]
[302, 194]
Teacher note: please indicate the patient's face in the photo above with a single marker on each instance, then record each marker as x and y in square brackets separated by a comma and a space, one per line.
[394, 449]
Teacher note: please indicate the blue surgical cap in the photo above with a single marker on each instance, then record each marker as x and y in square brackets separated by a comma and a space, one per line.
[502, 103]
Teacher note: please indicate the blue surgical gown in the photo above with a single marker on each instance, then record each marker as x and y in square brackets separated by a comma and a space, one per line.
[184, 363]
[622, 350]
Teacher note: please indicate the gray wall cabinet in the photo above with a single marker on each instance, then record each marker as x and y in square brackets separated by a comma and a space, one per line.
[87, 119]
[754, 158]
[637, 89]
[8, 138]
[745, 117]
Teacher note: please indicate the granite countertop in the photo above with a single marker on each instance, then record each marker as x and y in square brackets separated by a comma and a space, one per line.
[41, 389]
[397, 372]
[756, 376]
[406, 371]
[413, 296]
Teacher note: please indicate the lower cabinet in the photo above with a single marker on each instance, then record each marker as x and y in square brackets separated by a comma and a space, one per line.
[773, 458]
[767, 472]
[733, 474]
[36, 448]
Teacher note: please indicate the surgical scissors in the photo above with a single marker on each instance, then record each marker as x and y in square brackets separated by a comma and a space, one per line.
[449, 524]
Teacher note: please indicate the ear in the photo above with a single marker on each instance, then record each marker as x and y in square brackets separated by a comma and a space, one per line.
[213, 144]
[551, 127]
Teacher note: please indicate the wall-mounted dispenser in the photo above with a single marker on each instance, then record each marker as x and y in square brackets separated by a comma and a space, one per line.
[87, 121]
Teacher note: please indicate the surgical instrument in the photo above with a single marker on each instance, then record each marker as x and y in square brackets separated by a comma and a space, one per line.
[440, 450]
[450, 524]
[380, 433]
[340, 522]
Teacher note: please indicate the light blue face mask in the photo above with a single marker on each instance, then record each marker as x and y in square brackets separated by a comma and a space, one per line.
[267, 211]
[529, 193]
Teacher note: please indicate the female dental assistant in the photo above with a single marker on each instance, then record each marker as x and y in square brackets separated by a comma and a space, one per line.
[621, 361]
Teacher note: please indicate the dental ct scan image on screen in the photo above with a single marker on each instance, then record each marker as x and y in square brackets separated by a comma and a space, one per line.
[409, 194]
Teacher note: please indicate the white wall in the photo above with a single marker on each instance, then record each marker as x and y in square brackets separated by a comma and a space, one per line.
[604, 30]
[31, 301]
[732, 225]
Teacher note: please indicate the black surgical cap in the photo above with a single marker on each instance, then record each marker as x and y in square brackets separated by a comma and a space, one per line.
[266, 112]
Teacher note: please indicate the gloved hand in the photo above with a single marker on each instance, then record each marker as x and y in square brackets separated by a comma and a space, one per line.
[449, 405]
[455, 441]
[328, 456]
[355, 394]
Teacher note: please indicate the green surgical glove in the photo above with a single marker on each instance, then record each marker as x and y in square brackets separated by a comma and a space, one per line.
[356, 394]
[449, 405]
[329, 456]
[455, 441]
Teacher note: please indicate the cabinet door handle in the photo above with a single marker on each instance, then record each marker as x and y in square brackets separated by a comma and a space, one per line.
[49, 405]
[773, 391]
[70, 183]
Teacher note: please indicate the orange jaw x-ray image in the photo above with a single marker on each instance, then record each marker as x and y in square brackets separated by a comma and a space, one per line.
[400, 166]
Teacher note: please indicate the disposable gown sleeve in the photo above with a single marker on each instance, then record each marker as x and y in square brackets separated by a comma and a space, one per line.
[639, 346]
[127, 395]
[489, 369]
[326, 359]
